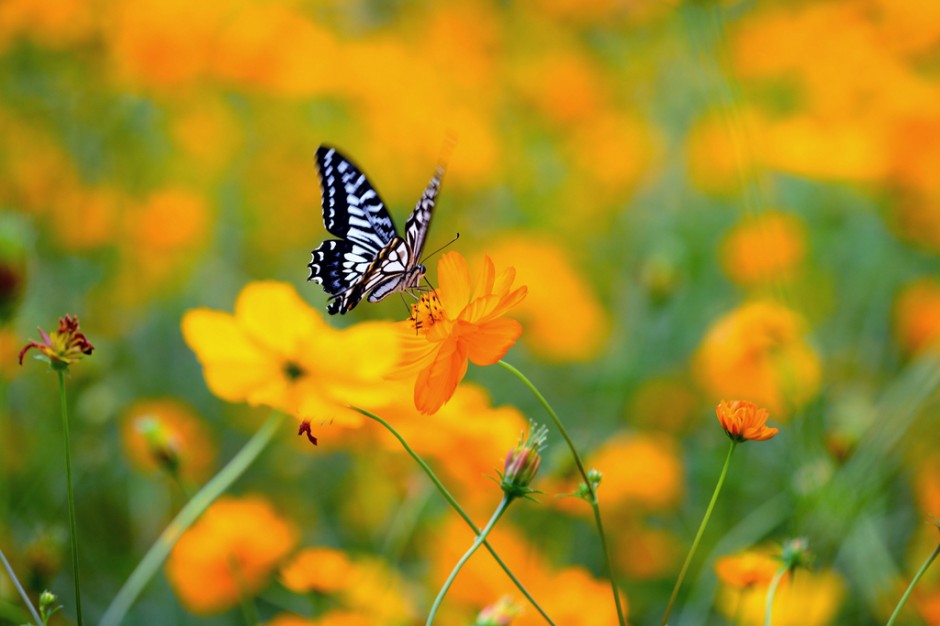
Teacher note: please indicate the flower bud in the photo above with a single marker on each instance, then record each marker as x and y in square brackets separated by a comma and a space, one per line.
[523, 462]
[500, 613]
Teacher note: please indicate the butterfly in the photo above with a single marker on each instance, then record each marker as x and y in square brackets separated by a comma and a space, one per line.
[369, 259]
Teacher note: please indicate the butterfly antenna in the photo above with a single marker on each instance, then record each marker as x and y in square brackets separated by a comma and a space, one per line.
[446, 245]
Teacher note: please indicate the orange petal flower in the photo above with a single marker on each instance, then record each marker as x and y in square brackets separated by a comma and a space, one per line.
[230, 551]
[747, 569]
[459, 322]
[278, 352]
[744, 421]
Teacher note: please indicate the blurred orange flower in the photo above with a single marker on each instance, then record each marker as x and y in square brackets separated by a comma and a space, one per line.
[317, 569]
[744, 421]
[278, 352]
[653, 478]
[747, 569]
[333, 618]
[917, 315]
[758, 352]
[764, 248]
[456, 323]
[577, 331]
[228, 553]
[155, 432]
[364, 584]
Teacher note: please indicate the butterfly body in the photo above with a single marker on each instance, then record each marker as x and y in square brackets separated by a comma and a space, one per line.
[369, 259]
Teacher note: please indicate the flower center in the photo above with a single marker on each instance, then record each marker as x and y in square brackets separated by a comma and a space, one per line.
[293, 371]
[426, 312]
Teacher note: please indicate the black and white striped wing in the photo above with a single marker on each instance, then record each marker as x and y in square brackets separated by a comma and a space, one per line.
[354, 212]
[416, 228]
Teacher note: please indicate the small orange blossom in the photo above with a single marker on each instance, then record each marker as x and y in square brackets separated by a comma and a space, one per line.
[744, 421]
[457, 323]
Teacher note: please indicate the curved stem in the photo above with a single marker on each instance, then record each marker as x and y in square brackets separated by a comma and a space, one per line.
[503, 505]
[151, 562]
[453, 503]
[698, 535]
[19, 588]
[771, 591]
[73, 535]
[910, 588]
[592, 492]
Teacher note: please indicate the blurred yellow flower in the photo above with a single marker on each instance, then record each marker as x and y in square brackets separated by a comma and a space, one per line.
[458, 322]
[805, 599]
[563, 85]
[917, 316]
[714, 154]
[751, 568]
[758, 352]
[154, 432]
[577, 331]
[927, 485]
[278, 352]
[764, 248]
[228, 553]
[744, 421]
[363, 584]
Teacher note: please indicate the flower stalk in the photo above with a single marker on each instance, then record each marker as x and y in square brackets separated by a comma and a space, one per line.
[503, 505]
[456, 506]
[19, 588]
[590, 482]
[698, 535]
[158, 553]
[914, 581]
[73, 534]
[771, 591]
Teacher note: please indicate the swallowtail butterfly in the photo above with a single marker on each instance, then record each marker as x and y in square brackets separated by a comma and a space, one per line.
[369, 259]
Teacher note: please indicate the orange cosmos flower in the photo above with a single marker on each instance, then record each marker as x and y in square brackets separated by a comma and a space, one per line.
[278, 352]
[747, 569]
[458, 322]
[744, 421]
[229, 552]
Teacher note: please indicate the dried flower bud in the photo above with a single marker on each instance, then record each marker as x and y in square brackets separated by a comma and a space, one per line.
[63, 346]
[795, 553]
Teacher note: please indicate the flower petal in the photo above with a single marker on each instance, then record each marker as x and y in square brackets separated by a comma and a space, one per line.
[234, 366]
[275, 316]
[436, 383]
[487, 343]
[454, 278]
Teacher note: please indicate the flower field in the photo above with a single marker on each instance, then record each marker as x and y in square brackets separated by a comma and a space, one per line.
[637, 312]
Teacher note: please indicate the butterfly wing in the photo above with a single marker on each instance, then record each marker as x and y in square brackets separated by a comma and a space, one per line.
[416, 228]
[354, 212]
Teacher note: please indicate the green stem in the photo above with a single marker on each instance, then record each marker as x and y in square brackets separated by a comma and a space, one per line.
[503, 505]
[73, 535]
[771, 591]
[592, 492]
[154, 558]
[698, 535]
[19, 588]
[917, 577]
[453, 503]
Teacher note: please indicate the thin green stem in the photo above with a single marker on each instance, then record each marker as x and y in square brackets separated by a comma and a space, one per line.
[698, 535]
[73, 534]
[917, 577]
[771, 591]
[154, 558]
[19, 588]
[589, 485]
[503, 505]
[453, 503]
